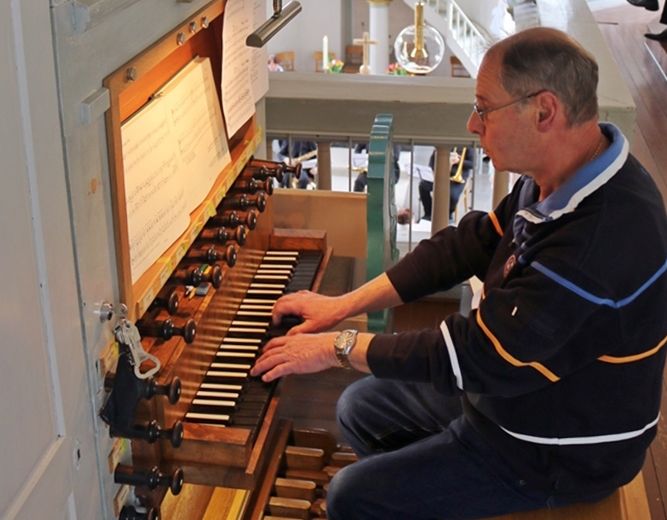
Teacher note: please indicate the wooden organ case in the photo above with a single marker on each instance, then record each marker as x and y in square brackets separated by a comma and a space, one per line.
[222, 248]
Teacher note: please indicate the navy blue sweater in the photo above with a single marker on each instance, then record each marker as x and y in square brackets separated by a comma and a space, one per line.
[561, 366]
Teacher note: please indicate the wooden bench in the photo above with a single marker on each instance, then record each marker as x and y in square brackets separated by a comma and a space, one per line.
[628, 503]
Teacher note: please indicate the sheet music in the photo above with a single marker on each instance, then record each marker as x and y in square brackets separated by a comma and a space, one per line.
[174, 149]
[197, 122]
[237, 90]
[154, 194]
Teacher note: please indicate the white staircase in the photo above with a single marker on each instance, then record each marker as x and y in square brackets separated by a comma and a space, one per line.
[462, 36]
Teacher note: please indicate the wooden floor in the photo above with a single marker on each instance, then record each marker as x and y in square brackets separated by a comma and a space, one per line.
[310, 400]
[639, 60]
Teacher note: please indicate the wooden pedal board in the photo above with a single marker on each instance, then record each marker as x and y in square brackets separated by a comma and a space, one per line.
[297, 488]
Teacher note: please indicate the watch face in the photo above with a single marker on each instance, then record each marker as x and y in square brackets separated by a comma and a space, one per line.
[343, 345]
[343, 338]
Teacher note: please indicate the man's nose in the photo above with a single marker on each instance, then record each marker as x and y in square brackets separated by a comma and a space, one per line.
[474, 124]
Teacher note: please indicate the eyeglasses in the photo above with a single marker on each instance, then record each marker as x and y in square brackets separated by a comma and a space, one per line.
[481, 112]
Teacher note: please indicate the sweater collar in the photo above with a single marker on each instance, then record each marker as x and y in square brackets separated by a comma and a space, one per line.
[585, 181]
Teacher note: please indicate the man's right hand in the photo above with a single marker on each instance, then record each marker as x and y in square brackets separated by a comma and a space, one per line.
[319, 312]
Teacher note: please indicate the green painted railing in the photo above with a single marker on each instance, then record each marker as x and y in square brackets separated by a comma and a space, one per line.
[381, 213]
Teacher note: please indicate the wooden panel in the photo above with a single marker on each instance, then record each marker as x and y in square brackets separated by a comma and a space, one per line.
[202, 443]
[189, 504]
[629, 503]
[288, 239]
[226, 503]
[344, 219]
[263, 491]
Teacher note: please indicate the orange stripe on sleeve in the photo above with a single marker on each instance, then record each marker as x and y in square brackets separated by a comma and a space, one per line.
[511, 359]
[496, 224]
[636, 357]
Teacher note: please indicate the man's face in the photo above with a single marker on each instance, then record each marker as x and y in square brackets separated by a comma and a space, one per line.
[504, 126]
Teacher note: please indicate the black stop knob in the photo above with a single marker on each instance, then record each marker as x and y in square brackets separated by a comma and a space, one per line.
[174, 434]
[227, 218]
[249, 218]
[188, 330]
[171, 390]
[215, 276]
[151, 478]
[168, 299]
[175, 481]
[241, 235]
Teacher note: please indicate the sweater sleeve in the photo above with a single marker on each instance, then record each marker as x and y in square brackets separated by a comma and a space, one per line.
[412, 356]
[453, 254]
[512, 345]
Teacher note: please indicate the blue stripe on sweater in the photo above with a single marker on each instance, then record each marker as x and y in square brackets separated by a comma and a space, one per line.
[596, 299]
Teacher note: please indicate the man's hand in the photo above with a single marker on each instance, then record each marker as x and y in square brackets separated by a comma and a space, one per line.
[319, 312]
[296, 354]
[454, 158]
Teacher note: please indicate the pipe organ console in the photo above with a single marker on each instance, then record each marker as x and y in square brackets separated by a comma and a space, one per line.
[201, 312]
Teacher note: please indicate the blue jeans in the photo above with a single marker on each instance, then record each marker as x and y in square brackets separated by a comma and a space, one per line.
[420, 459]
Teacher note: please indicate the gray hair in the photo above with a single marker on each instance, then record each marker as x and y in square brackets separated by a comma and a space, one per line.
[549, 59]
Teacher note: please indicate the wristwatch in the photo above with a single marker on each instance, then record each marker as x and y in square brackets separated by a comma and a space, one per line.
[343, 345]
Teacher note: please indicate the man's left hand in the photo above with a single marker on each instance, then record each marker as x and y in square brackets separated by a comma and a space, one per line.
[296, 354]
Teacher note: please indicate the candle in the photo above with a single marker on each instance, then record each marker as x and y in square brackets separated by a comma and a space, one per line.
[325, 53]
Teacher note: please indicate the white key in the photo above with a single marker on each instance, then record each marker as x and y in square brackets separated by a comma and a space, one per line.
[220, 395]
[244, 355]
[214, 402]
[256, 341]
[241, 323]
[246, 330]
[275, 277]
[246, 348]
[207, 416]
[267, 286]
[221, 386]
[286, 267]
[230, 366]
[218, 373]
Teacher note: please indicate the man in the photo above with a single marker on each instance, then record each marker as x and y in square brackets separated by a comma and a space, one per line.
[549, 393]
[455, 187]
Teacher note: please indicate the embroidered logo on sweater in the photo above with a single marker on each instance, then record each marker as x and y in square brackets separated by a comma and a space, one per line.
[509, 265]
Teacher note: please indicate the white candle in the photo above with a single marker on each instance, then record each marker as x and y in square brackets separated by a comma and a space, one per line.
[325, 53]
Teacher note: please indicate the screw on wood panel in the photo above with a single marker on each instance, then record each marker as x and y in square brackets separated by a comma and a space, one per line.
[131, 74]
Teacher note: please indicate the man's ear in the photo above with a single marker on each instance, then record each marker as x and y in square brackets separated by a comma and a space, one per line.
[548, 106]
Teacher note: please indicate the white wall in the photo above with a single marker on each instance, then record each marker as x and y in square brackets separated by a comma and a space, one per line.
[304, 33]
[317, 18]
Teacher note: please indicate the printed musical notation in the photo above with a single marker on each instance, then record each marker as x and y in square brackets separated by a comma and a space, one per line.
[196, 118]
[244, 71]
[174, 149]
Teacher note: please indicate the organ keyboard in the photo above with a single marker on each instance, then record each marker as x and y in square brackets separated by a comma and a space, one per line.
[227, 395]
[229, 419]
[204, 307]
